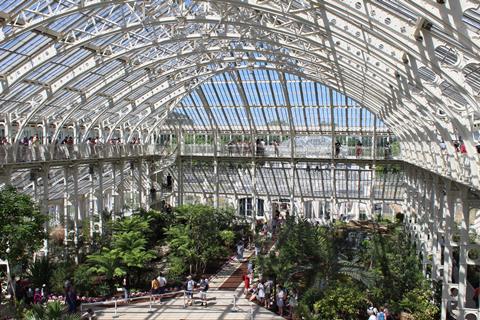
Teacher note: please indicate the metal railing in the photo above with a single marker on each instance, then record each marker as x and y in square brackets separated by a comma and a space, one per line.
[115, 303]
[245, 150]
[10, 154]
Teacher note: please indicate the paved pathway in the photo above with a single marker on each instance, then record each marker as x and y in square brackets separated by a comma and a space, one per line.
[220, 306]
[224, 286]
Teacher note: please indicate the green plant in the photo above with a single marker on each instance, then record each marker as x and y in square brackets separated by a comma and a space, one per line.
[228, 237]
[54, 311]
[196, 236]
[83, 280]
[40, 272]
[108, 264]
[418, 302]
[343, 300]
[61, 273]
[102, 290]
[37, 312]
[20, 221]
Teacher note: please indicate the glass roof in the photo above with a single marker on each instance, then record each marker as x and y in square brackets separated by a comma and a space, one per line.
[228, 64]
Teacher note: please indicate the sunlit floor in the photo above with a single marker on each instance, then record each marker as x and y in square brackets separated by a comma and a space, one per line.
[220, 306]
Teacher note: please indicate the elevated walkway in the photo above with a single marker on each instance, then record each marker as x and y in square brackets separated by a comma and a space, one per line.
[24, 157]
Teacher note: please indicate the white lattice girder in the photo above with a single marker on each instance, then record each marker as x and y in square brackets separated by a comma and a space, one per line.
[349, 21]
[144, 79]
[187, 18]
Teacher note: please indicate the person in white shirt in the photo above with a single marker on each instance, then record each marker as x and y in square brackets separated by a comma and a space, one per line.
[280, 300]
[189, 292]
[371, 314]
[163, 284]
[260, 292]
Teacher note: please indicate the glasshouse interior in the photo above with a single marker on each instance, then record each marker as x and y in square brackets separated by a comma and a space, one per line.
[240, 159]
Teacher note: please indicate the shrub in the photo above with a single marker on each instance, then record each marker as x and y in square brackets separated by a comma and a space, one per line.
[40, 272]
[341, 301]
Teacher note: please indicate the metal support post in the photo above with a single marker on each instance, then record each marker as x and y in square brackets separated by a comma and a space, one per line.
[45, 179]
[100, 204]
[66, 203]
[140, 183]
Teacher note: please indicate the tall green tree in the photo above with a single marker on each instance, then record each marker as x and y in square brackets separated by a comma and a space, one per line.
[198, 236]
[21, 228]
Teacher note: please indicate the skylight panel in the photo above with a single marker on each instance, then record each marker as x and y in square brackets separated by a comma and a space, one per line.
[65, 23]
[51, 72]
[278, 92]
[210, 95]
[251, 93]
[266, 94]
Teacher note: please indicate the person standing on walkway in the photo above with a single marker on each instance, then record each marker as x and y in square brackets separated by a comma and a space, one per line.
[246, 281]
[338, 146]
[292, 302]
[126, 287]
[260, 292]
[280, 300]
[155, 287]
[275, 148]
[358, 149]
[476, 296]
[268, 293]
[162, 281]
[71, 300]
[203, 291]
[240, 249]
[190, 285]
[250, 266]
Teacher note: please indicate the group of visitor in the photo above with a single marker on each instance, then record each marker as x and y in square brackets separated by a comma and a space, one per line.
[67, 140]
[262, 292]
[376, 314]
[202, 285]
[23, 291]
[239, 147]
[246, 148]
[158, 286]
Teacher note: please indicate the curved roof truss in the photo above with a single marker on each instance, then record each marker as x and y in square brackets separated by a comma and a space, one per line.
[121, 63]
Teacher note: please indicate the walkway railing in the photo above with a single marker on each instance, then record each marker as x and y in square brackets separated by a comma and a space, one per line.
[11, 154]
[245, 150]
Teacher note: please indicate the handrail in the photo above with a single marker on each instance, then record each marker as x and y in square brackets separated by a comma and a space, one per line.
[307, 151]
[13, 154]
[150, 296]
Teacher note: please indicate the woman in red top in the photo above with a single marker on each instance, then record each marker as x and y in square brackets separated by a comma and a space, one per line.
[246, 280]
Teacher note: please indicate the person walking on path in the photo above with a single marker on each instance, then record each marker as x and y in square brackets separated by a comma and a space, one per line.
[292, 302]
[71, 300]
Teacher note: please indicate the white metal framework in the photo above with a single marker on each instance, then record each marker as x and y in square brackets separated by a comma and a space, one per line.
[176, 72]
[123, 65]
